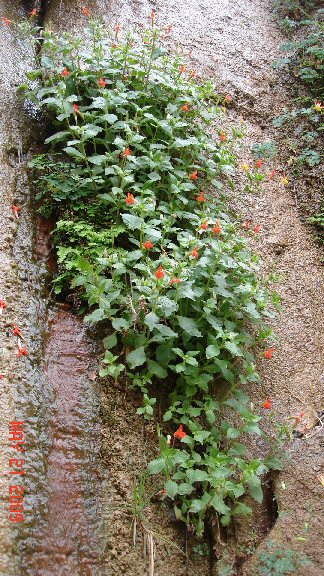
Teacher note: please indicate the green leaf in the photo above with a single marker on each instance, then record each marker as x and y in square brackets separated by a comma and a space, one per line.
[185, 488]
[133, 222]
[97, 159]
[233, 433]
[110, 341]
[120, 324]
[274, 462]
[212, 351]
[171, 488]
[156, 466]
[157, 369]
[73, 152]
[136, 357]
[190, 326]
[57, 137]
[196, 475]
[242, 510]
[151, 320]
[255, 488]
[218, 503]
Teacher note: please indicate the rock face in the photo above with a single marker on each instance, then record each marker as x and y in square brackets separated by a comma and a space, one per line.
[234, 43]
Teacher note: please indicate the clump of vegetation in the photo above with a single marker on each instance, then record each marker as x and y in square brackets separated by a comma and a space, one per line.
[145, 243]
[280, 561]
[305, 58]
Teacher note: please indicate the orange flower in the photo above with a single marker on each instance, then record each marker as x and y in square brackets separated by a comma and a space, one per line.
[102, 82]
[152, 17]
[258, 163]
[223, 137]
[256, 228]
[269, 353]
[300, 417]
[76, 108]
[204, 225]
[127, 152]
[148, 245]
[22, 351]
[194, 175]
[175, 281]
[193, 73]
[130, 199]
[217, 229]
[194, 253]
[16, 210]
[159, 273]
[185, 107]
[3, 305]
[34, 12]
[1, 376]
[86, 11]
[180, 433]
[267, 404]
[246, 224]
[65, 72]
[272, 173]
[201, 197]
[6, 21]
[17, 331]
[228, 98]
[182, 69]
[117, 27]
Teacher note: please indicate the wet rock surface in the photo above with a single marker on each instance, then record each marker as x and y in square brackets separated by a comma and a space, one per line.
[234, 44]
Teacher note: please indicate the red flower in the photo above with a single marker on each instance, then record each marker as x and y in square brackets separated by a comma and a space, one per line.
[34, 12]
[193, 73]
[117, 28]
[127, 152]
[6, 21]
[17, 331]
[3, 305]
[86, 11]
[102, 82]
[204, 225]
[300, 417]
[65, 72]
[152, 17]
[201, 197]
[272, 173]
[16, 210]
[228, 98]
[258, 163]
[246, 224]
[130, 199]
[22, 351]
[194, 175]
[223, 137]
[148, 244]
[175, 281]
[180, 433]
[76, 108]
[182, 69]
[159, 273]
[269, 353]
[217, 229]
[185, 107]
[256, 228]
[1, 376]
[194, 253]
[267, 404]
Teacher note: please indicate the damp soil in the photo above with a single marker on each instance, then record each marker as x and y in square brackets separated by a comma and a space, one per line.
[235, 45]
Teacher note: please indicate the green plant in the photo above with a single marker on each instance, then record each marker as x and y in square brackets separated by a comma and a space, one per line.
[145, 243]
[278, 561]
[200, 550]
